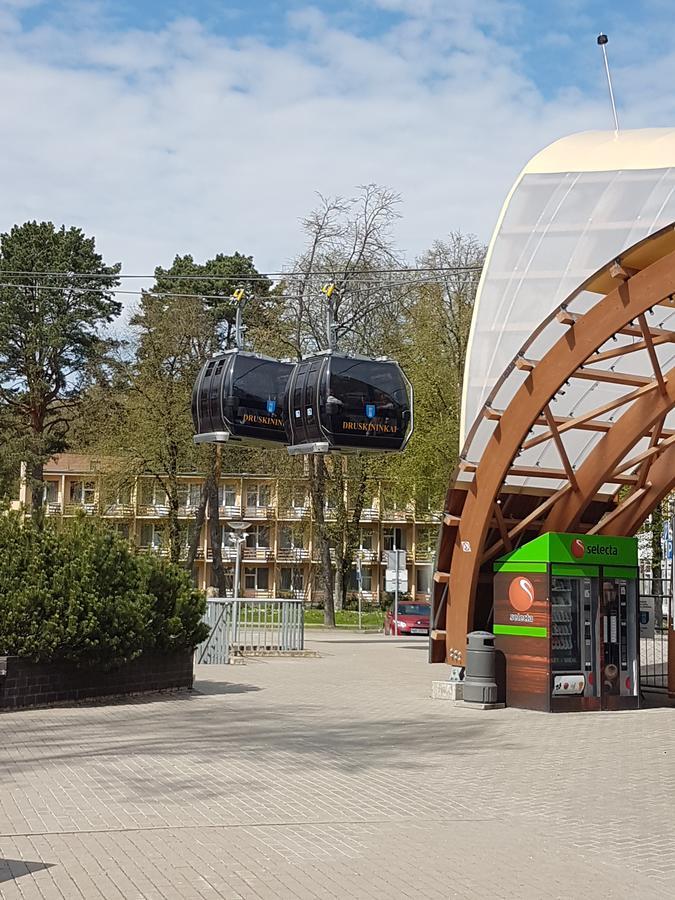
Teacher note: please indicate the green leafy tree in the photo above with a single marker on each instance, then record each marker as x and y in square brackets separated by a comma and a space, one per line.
[55, 301]
[431, 346]
[349, 244]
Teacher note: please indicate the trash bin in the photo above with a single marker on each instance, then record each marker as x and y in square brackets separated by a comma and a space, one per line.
[480, 685]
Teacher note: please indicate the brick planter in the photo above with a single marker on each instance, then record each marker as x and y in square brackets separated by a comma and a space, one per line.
[24, 683]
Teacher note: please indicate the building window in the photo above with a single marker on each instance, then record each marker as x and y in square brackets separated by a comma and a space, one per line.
[366, 576]
[152, 494]
[291, 537]
[152, 536]
[256, 578]
[291, 579]
[426, 539]
[227, 495]
[51, 492]
[258, 537]
[366, 542]
[83, 492]
[194, 495]
[393, 539]
[423, 580]
[258, 495]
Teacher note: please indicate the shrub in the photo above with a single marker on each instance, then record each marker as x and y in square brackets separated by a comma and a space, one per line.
[78, 593]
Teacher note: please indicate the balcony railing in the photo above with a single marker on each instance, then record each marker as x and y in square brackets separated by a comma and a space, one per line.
[53, 509]
[153, 510]
[259, 512]
[427, 515]
[119, 510]
[292, 554]
[257, 593]
[298, 594]
[257, 554]
[227, 554]
[423, 556]
[398, 515]
[366, 555]
[367, 515]
[152, 548]
[229, 512]
[384, 559]
[75, 509]
[295, 512]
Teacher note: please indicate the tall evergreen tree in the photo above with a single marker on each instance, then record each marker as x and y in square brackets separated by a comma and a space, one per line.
[56, 297]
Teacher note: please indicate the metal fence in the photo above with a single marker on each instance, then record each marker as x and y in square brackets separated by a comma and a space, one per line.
[654, 649]
[245, 626]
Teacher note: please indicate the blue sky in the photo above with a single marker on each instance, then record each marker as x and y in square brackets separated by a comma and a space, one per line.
[166, 127]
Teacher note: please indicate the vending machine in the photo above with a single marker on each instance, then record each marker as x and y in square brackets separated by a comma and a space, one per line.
[566, 620]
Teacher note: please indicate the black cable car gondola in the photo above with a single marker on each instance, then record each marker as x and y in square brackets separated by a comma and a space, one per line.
[345, 403]
[239, 396]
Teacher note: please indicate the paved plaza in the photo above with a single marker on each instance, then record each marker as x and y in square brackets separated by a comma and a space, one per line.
[334, 777]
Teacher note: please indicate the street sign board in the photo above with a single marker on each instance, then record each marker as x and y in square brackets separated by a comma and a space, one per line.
[396, 562]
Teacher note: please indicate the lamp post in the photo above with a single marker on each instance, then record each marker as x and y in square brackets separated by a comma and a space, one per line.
[238, 539]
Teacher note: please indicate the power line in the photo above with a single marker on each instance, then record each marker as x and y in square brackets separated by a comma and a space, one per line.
[201, 296]
[269, 276]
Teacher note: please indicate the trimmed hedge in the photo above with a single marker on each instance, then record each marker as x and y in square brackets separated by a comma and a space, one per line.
[76, 592]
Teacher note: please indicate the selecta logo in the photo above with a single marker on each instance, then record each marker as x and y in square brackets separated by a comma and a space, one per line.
[578, 548]
[521, 594]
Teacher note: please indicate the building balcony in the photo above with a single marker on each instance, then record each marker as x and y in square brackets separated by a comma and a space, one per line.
[316, 555]
[257, 594]
[78, 509]
[366, 596]
[229, 512]
[398, 515]
[259, 512]
[299, 594]
[158, 551]
[366, 556]
[292, 554]
[258, 554]
[227, 554]
[424, 556]
[367, 515]
[53, 509]
[426, 515]
[118, 510]
[384, 559]
[152, 510]
[296, 513]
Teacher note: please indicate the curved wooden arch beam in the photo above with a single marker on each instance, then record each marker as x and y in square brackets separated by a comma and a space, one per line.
[583, 337]
[629, 518]
[644, 415]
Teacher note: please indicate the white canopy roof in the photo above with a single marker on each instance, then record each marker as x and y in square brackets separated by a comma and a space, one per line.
[575, 207]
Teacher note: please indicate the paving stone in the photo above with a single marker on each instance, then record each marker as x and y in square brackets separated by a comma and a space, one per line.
[336, 776]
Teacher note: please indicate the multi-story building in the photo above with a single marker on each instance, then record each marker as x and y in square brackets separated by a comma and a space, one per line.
[280, 556]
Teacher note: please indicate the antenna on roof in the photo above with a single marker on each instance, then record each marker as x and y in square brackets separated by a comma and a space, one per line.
[603, 40]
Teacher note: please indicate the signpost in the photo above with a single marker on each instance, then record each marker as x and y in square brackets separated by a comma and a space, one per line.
[359, 580]
[396, 578]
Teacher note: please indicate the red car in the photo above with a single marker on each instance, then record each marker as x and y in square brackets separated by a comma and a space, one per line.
[413, 618]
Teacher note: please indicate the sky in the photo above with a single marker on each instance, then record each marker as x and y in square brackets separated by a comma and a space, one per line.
[165, 127]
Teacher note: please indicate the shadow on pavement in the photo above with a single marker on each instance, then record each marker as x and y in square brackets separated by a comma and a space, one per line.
[221, 687]
[15, 868]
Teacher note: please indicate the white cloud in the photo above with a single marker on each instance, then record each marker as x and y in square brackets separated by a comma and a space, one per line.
[179, 140]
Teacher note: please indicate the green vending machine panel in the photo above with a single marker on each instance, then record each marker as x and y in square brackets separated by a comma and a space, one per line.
[566, 621]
